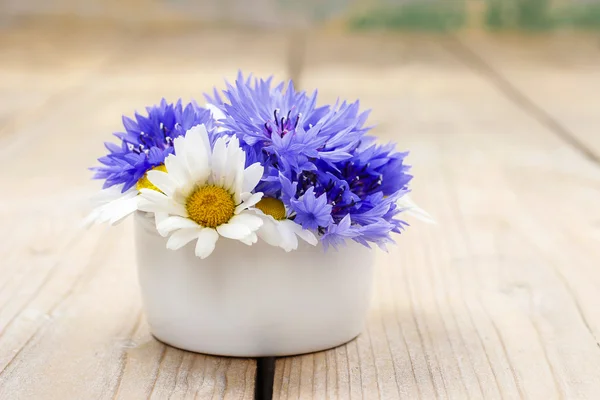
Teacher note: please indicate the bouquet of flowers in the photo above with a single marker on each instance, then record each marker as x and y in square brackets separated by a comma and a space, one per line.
[259, 162]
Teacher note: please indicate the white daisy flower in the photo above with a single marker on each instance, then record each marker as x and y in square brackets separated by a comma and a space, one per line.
[277, 229]
[205, 192]
[112, 205]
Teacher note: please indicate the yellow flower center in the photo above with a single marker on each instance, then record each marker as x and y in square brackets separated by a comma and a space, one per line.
[210, 206]
[144, 182]
[272, 207]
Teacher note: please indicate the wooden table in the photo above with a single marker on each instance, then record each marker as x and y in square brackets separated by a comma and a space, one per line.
[498, 300]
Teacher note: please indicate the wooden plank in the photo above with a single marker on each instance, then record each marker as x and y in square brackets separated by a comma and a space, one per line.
[72, 318]
[134, 71]
[562, 94]
[71, 324]
[42, 67]
[498, 299]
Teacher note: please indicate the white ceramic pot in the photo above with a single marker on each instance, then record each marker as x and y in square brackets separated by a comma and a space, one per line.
[252, 301]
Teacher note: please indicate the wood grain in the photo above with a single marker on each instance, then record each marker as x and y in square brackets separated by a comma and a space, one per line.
[497, 299]
[571, 65]
[71, 324]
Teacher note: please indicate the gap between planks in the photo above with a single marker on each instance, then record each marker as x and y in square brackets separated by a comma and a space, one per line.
[477, 63]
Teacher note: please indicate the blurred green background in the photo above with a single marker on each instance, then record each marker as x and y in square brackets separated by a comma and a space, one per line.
[414, 15]
[438, 15]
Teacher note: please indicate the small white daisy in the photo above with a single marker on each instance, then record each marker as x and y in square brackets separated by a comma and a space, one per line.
[278, 230]
[112, 205]
[205, 192]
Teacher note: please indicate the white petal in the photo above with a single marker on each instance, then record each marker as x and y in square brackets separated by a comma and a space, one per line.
[206, 140]
[216, 112]
[177, 168]
[113, 193]
[414, 210]
[92, 218]
[304, 234]
[98, 215]
[158, 218]
[251, 201]
[112, 206]
[150, 206]
[151, 201]
[237, 188]
[182, 237]
[239, 160]
[163, 181]
[175, 222]
[197, 155]
[179, 145]
[123, 209]
[177, 209]
[234, 141]
[245, 196]
[253, 222]
[250, 239]
[106, 195]
[219, 162]
[289, 241]
[154, 196]
[167, 206]
[252, 176]
[269, 232]
[236, 159]
[181, 195]
[234, 231]
[235, 166]
[197, 133]
[207, 239]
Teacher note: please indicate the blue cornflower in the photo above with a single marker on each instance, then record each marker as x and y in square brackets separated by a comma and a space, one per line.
[319, 161]
[285, 129]
[147, 141]
[311, 212]
[320, 166]
[371, 209]
[378, 167]
[337, 234]
[378, 233]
